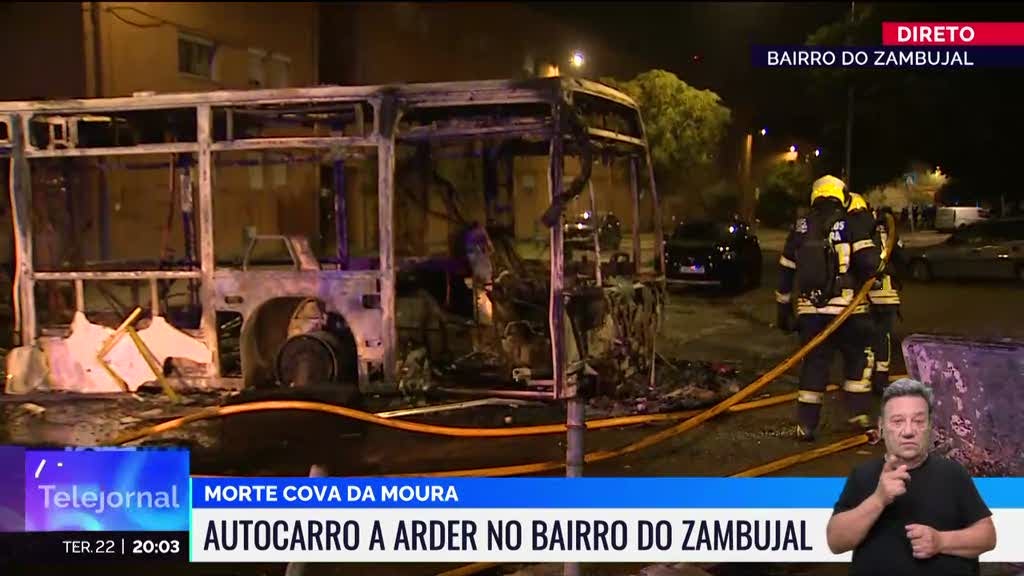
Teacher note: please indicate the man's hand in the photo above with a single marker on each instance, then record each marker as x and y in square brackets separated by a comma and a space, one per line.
[925, 540]
[893, 480]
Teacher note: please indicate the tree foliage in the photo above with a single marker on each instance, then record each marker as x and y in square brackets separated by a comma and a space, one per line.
[964, 121]
[685, 125]
[861, 28]
[786, 187]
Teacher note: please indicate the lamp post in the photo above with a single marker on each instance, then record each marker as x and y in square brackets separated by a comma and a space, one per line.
[577, 60]
[849, 115]
[748, 203]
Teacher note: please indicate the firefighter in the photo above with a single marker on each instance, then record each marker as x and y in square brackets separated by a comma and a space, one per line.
[827, 256]
[885, 302]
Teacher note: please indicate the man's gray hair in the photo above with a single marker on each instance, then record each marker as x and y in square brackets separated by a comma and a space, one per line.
[908, 387]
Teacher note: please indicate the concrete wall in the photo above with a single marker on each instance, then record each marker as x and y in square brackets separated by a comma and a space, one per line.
[140, 42]
[42, 44]
[140, 53]
[360, 43]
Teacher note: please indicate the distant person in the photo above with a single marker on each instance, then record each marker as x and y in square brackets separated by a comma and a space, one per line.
[828, 256]
[910, 512]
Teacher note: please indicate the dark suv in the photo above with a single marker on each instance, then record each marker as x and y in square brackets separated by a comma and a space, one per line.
[705, 252]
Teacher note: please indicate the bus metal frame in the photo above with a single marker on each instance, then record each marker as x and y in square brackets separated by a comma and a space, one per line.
[244, 291]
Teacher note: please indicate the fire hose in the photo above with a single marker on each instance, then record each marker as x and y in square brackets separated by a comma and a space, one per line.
[451, 431]
[692, 422]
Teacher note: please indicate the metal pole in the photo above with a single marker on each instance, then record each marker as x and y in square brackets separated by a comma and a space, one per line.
[208, 324]
[574, 404]
[635, 194]
[849, 120]
[299, 568]
[388, 114]
[575, 426]
[21, 215]
[104, 209]
[341, 214]
[849, 137]
[597, 241]
[747, 205]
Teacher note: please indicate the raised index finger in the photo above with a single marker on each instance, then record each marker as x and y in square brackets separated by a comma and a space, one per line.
[890, 463]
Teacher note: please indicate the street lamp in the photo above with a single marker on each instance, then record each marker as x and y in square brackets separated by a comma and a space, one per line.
[817, 152]
[577, 59]
[764, 131]
[792, 148]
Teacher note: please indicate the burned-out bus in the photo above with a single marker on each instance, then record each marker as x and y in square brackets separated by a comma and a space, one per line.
[377, 239]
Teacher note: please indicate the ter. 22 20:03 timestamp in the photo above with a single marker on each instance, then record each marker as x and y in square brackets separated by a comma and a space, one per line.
[122, 546]
[155, 546]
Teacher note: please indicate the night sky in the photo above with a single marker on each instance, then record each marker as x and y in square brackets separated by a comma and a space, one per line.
[967, 121]
[707, 44]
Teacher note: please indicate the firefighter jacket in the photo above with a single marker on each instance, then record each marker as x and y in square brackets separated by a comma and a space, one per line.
[886, 288]
[859, 257]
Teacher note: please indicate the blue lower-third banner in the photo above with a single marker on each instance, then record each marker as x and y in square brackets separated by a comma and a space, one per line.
[536, 519]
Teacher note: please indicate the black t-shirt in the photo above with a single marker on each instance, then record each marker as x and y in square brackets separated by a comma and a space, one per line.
[940, 494]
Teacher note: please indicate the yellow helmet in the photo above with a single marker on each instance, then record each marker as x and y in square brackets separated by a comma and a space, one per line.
[830, 187]
[857, 202]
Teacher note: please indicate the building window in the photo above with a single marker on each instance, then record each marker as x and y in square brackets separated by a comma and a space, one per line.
[255, 170]
[257, 69]
[280, 66]
[268, 70]
[279, 173]
[195, 56]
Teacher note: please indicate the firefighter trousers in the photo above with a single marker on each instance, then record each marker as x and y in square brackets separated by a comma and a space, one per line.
[853, 340]
[883, 317]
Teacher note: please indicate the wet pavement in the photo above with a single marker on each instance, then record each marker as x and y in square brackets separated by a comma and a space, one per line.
[702, 325]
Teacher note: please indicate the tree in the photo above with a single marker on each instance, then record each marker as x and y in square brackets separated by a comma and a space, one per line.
[786, 187]
[685, 126]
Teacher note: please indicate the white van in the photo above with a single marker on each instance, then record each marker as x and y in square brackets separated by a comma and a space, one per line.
[949, 218]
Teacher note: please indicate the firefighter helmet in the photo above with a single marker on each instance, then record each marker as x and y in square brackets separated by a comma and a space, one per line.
[857, 202]
[830, 187]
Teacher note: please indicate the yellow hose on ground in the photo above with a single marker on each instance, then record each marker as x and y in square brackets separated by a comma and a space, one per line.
[456, 431]
[805, 456]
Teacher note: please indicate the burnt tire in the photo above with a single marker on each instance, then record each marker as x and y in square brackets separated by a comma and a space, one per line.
[315, 358]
